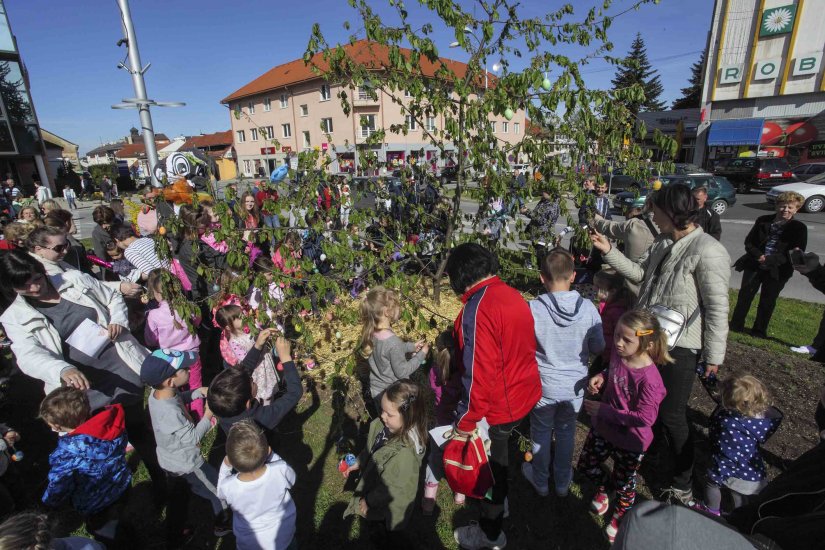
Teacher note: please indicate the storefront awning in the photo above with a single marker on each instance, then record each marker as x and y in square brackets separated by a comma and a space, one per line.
[744, 131]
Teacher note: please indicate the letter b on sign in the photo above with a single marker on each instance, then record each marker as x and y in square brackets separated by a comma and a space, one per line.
[807, 64]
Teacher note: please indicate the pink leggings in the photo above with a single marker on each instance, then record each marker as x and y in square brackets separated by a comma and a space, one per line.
[195, 382]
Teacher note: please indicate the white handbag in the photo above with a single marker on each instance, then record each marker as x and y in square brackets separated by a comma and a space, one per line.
[672, 323]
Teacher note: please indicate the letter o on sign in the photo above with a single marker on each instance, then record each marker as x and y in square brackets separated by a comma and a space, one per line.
[767, 69]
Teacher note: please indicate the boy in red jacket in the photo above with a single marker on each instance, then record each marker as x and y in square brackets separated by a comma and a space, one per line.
[500, 376]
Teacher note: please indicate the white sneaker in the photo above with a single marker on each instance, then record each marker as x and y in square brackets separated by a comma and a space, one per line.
[472, 537]
[808, 350]
[527, 472]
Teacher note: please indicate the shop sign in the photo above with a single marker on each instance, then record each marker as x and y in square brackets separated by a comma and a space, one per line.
[731, 74]
[777, 20]
[767, 69]
[816, 150]
[268, 150]
[808, 64]
[324, 146]
[286, 149]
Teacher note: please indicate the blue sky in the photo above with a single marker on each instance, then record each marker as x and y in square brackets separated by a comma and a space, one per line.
[203, 50]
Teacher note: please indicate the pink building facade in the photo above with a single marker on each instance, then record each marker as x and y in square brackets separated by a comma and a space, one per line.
[301, 111]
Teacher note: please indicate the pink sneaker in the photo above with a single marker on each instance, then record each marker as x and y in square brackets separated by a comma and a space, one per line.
[600, 502]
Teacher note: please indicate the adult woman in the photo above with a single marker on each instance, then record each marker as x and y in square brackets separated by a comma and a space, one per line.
[28, 214]
[15, 235]
[76, 255]
[191, 251]
[46, 311]
[766, 263]
[684, 269]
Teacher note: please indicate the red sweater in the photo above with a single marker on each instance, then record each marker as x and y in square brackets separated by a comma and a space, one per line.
[497, 351]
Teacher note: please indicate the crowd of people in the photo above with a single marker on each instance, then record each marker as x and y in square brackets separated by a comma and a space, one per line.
[102, 330]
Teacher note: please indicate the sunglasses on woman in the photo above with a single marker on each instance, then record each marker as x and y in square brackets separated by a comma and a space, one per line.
[58, 248]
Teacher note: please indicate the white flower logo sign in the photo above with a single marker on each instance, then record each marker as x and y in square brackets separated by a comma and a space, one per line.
[777, 21]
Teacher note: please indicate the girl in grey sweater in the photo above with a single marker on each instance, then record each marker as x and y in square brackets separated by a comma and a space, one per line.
[386, 353]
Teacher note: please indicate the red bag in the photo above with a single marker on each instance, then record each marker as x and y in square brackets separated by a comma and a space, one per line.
[466, 466]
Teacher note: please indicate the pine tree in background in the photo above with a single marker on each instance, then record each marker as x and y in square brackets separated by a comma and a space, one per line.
[637, 70]
[692, 95]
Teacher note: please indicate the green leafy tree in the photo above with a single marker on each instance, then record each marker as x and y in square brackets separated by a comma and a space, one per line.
[635, 70]
[692, 95]
[403, 61]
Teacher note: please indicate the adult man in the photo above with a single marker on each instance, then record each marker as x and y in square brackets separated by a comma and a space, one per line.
[268, 192]
[500, 377]
[519, 178]
[106, 189]
[595, 202]
[706, 218]
[11, 191]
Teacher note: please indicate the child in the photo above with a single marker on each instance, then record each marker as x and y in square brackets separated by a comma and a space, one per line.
[70, 196]
[231, 397]
[385, 351]
[390, 465]
[256, 484]
[568, 330]
[178, 437]
[622, 422]
[89, 464]
[737, 429]
[445, 381]
[614, 300]
[272, 294]
[33, 531]
[235, 345]
[166, 330]
[121, 267]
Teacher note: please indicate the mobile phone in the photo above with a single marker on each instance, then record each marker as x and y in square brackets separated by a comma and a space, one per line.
[797, 256]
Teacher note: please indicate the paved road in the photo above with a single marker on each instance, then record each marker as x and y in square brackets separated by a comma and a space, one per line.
[736, 223]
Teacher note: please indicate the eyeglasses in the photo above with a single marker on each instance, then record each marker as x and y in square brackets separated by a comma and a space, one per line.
[58, 248]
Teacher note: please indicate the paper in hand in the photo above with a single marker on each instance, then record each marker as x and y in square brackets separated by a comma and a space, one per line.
[89, 338]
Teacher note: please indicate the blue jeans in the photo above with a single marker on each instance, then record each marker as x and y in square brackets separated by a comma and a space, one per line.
[272, 220]
[547, 416]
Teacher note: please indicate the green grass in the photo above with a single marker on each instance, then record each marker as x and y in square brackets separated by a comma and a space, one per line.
[794, 323]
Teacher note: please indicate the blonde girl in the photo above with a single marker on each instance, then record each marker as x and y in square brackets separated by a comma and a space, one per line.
[166, 330]
[386, 353]
[390, 465]
[28, 214]
[738, 429]
[622, 422]
[235, 345]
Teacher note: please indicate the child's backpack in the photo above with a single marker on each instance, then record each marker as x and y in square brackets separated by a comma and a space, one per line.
[466, 466]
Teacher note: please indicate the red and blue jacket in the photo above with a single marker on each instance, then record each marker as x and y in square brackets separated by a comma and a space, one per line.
[89, 464]
[497, 352]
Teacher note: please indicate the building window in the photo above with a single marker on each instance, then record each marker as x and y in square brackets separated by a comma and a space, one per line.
[253, 134]
[267, 104]
[325, 93]
[307, 143]
[304, 110]
[493, 126]
[251, 107]
[411, 125]
[516, 128]
[326, 125]
[237, 110]
[430, 124]
[247, 167]
[241, 136]
[367, 125]
[504, 127]
[407, 93]
[363, 93]
[269, 132]
[286, 131]
[284, 101]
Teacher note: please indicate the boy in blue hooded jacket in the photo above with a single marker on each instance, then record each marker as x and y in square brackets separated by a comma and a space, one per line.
[88, 466]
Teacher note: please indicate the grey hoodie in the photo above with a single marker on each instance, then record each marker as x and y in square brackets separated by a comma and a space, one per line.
[568, 330]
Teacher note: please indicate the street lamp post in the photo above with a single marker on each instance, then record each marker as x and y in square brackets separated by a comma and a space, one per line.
[141, 101]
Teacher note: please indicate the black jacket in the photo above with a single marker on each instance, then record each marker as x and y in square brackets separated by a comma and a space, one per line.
[794, 235]
[710, 223]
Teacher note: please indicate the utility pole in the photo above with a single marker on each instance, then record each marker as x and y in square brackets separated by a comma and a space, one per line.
[141, 101]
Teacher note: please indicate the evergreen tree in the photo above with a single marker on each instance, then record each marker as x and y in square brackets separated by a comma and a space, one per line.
[637, 70]
[692, 95]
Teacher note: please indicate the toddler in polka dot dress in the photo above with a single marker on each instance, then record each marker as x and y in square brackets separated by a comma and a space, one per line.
[744, 421]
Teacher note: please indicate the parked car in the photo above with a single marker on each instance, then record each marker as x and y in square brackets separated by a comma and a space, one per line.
[721, 194]
[450, 174]
[812, 190]
[755, 173]
[685, 168]
[804, 172]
